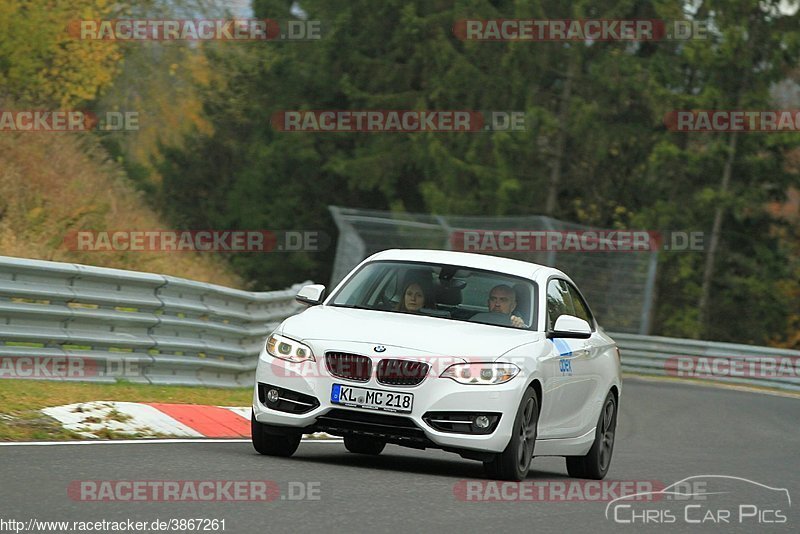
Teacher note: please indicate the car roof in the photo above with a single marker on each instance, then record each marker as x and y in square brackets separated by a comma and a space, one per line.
[519, 268]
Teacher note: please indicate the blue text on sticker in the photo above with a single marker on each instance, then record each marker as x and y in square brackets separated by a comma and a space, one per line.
[562, 347]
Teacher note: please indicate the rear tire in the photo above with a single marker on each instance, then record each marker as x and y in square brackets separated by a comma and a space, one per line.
[597, 461]
[515, 461]
[364, 445]
[271, 441]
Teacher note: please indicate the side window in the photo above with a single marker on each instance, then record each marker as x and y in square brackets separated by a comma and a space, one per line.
[558, 302]
[581, 309]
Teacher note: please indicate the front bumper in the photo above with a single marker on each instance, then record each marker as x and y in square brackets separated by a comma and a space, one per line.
[434, 394]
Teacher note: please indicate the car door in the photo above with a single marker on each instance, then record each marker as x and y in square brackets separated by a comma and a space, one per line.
[568, 379]
[593, 361]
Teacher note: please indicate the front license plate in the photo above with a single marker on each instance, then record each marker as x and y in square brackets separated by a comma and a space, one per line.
[372, 399]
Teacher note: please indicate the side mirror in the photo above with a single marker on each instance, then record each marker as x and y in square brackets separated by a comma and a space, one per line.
[569, 326]
[311, 295]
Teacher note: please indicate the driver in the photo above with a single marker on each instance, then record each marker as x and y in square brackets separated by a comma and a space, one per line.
[502, 299]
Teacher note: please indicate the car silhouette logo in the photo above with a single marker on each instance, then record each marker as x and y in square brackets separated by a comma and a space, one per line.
[380, 348]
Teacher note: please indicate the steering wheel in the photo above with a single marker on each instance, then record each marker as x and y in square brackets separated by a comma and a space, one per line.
[495, 318]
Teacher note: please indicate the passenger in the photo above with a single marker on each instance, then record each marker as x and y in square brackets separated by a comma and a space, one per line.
[415, 296]
[502, 299]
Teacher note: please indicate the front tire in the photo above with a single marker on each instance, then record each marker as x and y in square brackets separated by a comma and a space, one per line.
[515, 461]
[270, 441]
[364, 445]
[596, 463]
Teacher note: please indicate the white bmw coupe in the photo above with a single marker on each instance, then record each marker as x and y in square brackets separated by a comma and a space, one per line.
[495, 359]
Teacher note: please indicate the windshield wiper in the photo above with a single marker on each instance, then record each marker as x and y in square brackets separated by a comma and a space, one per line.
[354, 307]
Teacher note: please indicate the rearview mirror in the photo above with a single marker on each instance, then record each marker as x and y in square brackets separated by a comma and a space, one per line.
[311, 295]
[569, 326]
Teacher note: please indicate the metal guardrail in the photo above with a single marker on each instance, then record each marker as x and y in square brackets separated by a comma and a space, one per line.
[722, 362]
[135, 326]
[157, 329]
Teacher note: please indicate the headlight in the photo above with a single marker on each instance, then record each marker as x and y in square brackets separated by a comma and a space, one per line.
[289, 349]
[481, 373]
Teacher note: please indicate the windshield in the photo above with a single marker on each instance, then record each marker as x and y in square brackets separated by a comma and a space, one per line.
[443, 291]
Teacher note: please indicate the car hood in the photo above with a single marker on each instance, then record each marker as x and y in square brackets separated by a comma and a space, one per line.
[432, 335]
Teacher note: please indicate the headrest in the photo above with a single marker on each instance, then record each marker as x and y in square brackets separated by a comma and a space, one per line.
[449, 296]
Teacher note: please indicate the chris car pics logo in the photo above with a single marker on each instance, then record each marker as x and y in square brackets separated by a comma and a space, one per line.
[721, 500]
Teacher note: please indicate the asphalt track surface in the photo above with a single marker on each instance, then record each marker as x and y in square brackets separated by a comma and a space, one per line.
[666, 432]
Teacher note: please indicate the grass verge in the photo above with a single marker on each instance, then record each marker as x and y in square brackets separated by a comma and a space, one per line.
[21, 400]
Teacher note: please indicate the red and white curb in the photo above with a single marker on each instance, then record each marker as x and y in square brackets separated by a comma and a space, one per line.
[156, 420]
